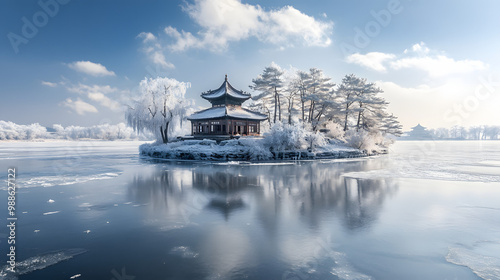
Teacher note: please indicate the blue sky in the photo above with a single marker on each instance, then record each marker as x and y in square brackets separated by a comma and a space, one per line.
[437, 61]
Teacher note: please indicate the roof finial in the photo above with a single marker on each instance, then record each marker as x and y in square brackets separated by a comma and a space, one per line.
[226, 78]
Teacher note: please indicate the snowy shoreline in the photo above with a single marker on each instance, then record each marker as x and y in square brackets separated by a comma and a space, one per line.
[244, 149]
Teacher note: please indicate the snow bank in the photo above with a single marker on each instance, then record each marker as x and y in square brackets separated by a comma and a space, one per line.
[243, 149]
[13, 131]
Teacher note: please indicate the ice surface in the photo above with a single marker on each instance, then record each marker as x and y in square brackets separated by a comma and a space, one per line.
[40, 262]
[244, 163]
[449, 165]
[484, 266]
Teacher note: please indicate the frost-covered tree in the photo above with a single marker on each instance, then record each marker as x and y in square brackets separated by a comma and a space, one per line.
[323, 97]
[370, 108]
[160, 107]
[301, 84]
[269, 84]
[391, 125]
[348, 92]
[319, 89]
[316, 95]
[492, 132]
[283, 137]
[13, 131]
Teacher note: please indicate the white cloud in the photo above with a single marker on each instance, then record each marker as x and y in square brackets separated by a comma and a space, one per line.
[79, 106]
[91, 68]
[147, 37]
[104, 100]
[154, 50]
[49, 84]
[159, 58]
[372, 60]
[224, 21]
[439, 65]
[419, 48]
[98, 94]
[82, 88]
[418, 57]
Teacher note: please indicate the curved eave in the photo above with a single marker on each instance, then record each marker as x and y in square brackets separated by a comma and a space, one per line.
[227, 117]
[224, 96]
[229, 91]
[225, 113]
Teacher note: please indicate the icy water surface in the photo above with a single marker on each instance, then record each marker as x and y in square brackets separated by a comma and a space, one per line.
[95, 210]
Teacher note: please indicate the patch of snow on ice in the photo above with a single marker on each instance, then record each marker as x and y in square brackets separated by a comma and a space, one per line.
[344, 270]
[486, 267]
[39, 262]
[50, 201]
[63, 180]
[85, 205]
[50, 213]
[184, 252]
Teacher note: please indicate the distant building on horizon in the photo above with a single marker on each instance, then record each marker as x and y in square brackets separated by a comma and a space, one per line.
[226, 117]
[418, 132]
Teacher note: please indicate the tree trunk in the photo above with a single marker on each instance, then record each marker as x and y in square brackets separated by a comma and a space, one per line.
[346, 116]
[164, 133]
[311, 113]
[275, 106]
[318, 117]
[303, 110]
[359, 116]
[279, 105]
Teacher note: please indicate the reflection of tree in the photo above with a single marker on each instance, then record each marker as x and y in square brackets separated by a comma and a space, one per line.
[306, 191]
[363, 201]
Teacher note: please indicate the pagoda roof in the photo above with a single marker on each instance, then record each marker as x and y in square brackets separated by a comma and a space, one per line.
[226, 90]
[234, 112]
[418, 126]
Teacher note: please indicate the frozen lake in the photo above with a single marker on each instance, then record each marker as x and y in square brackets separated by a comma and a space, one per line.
[95, 210]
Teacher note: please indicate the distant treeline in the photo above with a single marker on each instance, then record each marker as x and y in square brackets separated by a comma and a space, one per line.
[482, 132]
[13, 131]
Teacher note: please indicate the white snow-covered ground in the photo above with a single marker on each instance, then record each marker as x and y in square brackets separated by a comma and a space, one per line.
[250, 148]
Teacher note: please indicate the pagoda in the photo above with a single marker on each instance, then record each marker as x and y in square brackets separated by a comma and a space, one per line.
[419, 132]
[226, 117]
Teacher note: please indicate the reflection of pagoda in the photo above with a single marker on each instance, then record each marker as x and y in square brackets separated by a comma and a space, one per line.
[226, 116]
[419, 133]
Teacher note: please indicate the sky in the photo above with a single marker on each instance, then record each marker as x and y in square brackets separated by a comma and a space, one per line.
[75, 62]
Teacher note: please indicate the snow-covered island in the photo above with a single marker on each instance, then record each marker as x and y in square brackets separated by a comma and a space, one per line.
[293, 115]
[245, 149]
